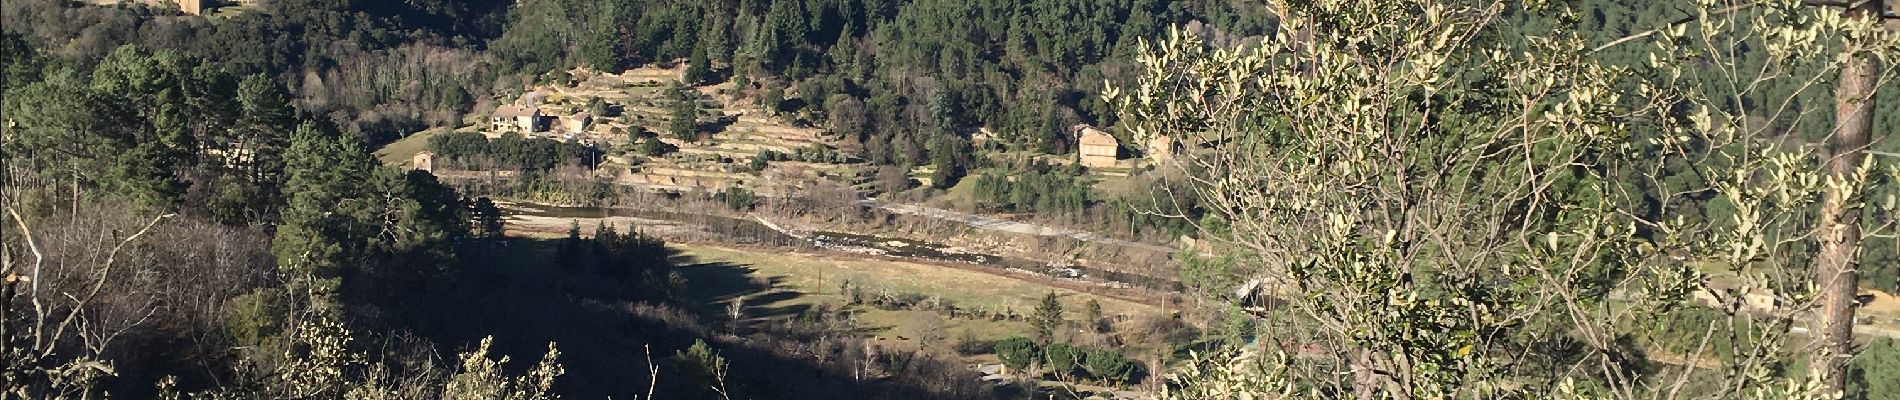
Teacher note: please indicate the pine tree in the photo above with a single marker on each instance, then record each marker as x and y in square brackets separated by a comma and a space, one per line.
[569, 253]
[784, 34]
[702, 370]
[19, 63]
[716, 41]
[697, 67]
[685, 119]
[264, 122]
[323, 228]
[1047, 318]
[487, 218]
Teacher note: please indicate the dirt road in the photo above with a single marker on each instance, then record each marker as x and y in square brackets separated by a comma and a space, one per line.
[1003, 225]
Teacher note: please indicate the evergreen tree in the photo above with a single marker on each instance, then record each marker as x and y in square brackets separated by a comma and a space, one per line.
[19, 63]
[1092, 315]
[413, 219]
[698, 67]
[783, 35]
[1017, 353]
[1061, 359]
[772, 100]
[255, 150]
[1108, 366]
[487, 218]
[702, 371]
[1875, 372]
[322, 229]
[951, 155]
[568, 255]
[1047, 318]
[716, 40]
[685, 118]
[597, 107]
[263, 129]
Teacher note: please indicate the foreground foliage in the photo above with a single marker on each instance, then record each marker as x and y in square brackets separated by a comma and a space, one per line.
[1443, 205]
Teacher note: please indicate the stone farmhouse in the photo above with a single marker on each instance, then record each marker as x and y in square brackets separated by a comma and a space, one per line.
[577, 123]
[513, 118]
[1098, 148]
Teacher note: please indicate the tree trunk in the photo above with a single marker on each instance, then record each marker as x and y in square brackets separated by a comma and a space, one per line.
[1835, 274]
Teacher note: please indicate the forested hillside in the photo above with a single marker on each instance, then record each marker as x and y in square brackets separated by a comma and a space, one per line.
[1380, 199]
[909, 82]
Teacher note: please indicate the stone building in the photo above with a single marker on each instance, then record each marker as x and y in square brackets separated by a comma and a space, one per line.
[577, 123]
[513, 118]
[423, 161]
[1098, 148]
[194, 7]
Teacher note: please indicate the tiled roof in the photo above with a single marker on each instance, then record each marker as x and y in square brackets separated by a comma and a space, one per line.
[511, 111]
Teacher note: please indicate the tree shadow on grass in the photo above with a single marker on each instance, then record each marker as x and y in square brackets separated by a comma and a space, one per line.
[766, 306]
[604, 327]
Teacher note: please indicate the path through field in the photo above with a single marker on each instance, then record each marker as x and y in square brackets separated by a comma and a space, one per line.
[1002, 225]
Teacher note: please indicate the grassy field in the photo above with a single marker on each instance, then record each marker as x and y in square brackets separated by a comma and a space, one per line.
[805, 280]
[399, 152]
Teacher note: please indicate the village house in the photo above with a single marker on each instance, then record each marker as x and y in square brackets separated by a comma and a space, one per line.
[193, 7]
[577, 123]
[513, 118]
[197, 7]
[1098, 148]
[189, 7]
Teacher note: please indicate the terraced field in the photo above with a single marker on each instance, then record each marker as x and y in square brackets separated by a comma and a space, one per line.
[733, 133]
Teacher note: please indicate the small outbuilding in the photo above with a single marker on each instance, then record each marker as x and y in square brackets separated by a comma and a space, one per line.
[423, 161]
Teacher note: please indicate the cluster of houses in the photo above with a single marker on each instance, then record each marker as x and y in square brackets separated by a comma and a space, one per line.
[531, 122]
[197, 7]
[1098, 148]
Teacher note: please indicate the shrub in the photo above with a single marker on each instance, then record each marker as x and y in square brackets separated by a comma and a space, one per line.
[1108, 366]
[254, 317]
[1061, 359]
[655, 148]
[967, 344]
[758, 161]
[738, 199]
[1092, 315]
[1016, 352]
[702, 370]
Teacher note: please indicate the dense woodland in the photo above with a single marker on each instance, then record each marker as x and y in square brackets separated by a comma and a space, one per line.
[232, 157]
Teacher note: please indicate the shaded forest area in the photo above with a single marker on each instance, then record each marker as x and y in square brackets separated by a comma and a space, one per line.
[164, 239]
